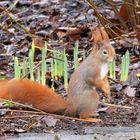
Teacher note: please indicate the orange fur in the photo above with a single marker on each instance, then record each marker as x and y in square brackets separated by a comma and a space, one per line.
[99, 34]
[32, 93]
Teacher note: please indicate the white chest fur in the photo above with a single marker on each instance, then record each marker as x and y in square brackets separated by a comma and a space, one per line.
[104, 70]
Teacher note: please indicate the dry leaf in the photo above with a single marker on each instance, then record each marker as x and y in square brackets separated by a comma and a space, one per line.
[129, 91]
[49, 120]
[124, 13]
[38, 43]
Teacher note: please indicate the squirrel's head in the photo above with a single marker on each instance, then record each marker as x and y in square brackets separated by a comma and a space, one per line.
[106, 52]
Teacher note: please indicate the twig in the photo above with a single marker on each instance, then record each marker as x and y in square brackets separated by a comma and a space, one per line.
[115, 81]
[22, 111]
[120, 106]
[20, 104]
[14, 117]
[13, 5]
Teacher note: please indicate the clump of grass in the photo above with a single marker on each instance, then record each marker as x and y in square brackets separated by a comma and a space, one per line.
[59, 67]
[57, 64]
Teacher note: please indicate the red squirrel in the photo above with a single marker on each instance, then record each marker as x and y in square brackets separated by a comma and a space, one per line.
[82, 99]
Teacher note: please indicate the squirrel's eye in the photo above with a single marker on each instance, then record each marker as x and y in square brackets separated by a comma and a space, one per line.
[104, 51]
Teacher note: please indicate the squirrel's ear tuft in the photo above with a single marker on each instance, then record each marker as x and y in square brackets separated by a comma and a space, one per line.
[99, 44]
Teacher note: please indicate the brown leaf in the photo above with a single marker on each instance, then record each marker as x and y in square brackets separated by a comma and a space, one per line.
[75, 33]
[49, 120]
[38, 43]
[123, 12]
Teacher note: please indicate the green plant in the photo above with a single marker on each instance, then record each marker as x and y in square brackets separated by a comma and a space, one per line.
[17, 69]
[8, 104]
[57, 64]
[55, 61]
[44, 65]
[31, 61]
[125, 66]
[52, 74]
[75, 55]
[65, 71]
[112, 70]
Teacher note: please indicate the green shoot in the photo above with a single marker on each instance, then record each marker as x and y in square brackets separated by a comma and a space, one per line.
[55, 65]
[127, 62]
[122, 68]
[125, 66]
[65, 71]
[58, 64]
[16, 68]
[52, 74]
[44, 66]
[76, 54]
[112, 70]
[31, 63]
